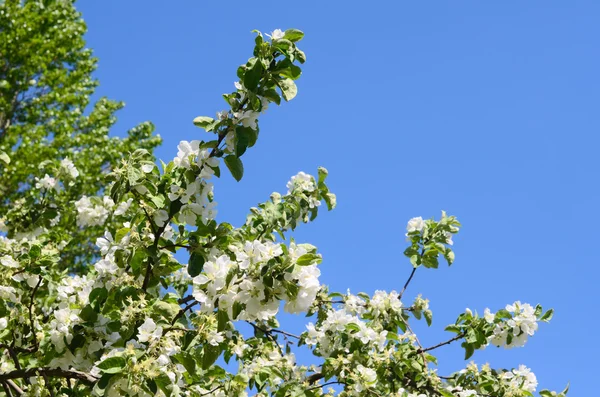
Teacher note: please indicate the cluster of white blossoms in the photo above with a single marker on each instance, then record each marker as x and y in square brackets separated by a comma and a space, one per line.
[415, 225]
[47, 183]
[303, 184]
[196, 196]
[67, 166]
[197, 199]
[515, 331]
[518, 380]
[367, 378]
[94, 212]
[226, 281]
[339, 331]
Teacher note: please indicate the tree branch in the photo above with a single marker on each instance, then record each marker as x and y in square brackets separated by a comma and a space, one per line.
[51, 372]
[407, 282]
[457, 337]
[182, 311]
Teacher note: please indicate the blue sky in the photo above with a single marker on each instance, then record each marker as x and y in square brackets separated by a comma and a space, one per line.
[486, 109]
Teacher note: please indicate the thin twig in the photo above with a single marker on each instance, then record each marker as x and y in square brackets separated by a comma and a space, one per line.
[269, 335]
[457, 337]
[182, 311]
[407, 282]
[16, 388]
[7, 389]
[336, 382]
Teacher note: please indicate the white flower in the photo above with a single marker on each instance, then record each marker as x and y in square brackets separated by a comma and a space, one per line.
[8, 293]
[147, 168]
[489, 316]
[67, 165]
[148, 331]
[8, 261]
[123, 207]
[277, 34]
[3, 323]
[161, 217]
[415, 224]
[105, 267]
[367, 378]
[47, 183]
[247, 118]
[90, 214]
[186, 150]
[106, 244]
[301, 182]
[214, 338]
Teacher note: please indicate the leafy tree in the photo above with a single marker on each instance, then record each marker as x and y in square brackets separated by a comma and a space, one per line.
[135, 321]
[45, 87]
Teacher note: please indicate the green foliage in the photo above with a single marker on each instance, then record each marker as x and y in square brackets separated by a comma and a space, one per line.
[46, 116]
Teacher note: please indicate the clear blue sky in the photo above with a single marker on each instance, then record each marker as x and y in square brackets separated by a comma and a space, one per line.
[486, 109]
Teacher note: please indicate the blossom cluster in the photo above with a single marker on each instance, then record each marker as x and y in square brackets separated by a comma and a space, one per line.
[517, 329]
[259, 277]
[93, 211]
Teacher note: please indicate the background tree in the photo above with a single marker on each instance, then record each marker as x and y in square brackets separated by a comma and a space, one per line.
[46, 86]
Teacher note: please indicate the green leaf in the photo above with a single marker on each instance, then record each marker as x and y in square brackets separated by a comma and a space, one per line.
[203, 121]
[35, 251]
[453, 328]
[469, 350]
[112, 365]
[308, 259]
[88, 314]
[98, 296]
[288, 88]
[253, 74]
[211, 353]
[187, 361]
[272, 96]
[242, 141]
[235, 166]
[222, 320]
[166, 309]
[547, 316]
[428, 317]
[195, 264]
[237, 309]
[293, 35]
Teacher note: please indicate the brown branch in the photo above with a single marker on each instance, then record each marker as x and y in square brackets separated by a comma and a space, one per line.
[335, 382]
[7, 389]
[212, 391]
[269, 336]
[182, 311]
[314, 378]
[274, 330]
[185, 300]
[407, 282]
[48, 386]
[457, 337]
[51, 372]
